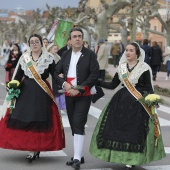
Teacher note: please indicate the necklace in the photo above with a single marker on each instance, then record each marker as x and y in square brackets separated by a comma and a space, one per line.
[35, 60]
[35, 63]
[131, 67]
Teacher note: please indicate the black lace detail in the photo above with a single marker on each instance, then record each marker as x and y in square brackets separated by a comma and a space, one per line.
[35, 126]
[43, 126]
[130, 69]
[124, 126]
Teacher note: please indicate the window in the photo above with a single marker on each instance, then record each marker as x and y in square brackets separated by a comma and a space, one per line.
[155, 28]
[162, 29]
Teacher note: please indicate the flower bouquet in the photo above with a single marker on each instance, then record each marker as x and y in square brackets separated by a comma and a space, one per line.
[151, 101]
[13, 93]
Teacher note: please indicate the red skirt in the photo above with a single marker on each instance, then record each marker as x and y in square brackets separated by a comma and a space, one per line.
[33, 141]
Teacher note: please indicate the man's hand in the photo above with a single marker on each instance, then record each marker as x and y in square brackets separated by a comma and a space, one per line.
[67, 86]
[73, 92]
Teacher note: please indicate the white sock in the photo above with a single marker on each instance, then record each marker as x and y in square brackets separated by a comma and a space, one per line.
[78, 146]
[75, 141]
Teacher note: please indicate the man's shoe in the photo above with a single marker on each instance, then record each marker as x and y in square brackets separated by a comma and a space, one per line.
[76, 164]
[69, 163]
[82, 160]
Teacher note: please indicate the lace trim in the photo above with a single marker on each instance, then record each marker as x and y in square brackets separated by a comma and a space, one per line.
[118, 146]
[134, 75]
[40, 65]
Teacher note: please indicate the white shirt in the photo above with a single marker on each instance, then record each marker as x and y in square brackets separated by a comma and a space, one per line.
[72, 68]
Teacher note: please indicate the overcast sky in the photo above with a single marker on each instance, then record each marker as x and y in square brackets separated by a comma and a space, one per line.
[34, 4]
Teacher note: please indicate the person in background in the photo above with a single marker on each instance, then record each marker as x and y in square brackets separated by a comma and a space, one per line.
[125, 131]
[14, 56]
[102, 58]
[156, 59]
[53, 49]
[80, 69]
[115, 53]
[5, 51]
[34, 124]
[106, 41]
[1, 56]
[147, 50]
[92, 47]
[58, 93]
[65, 48]
[24, 47]
[167, 61]
[86, 44]
[46, 42]
[122, 48]
[19, 44]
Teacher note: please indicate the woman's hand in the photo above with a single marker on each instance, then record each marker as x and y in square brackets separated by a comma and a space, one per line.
[67, 86]
[61, 75]
[156, 106]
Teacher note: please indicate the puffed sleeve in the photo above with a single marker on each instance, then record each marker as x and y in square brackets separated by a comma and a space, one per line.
[147, 82]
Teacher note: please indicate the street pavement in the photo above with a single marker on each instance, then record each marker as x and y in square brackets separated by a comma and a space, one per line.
[15, 160]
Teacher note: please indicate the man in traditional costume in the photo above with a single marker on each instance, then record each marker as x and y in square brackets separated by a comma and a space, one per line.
[80, 69]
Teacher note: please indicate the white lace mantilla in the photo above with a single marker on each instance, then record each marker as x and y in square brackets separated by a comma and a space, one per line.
[135, 74]
[40, 65]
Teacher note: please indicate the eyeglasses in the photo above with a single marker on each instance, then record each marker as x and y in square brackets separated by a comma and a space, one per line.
[34, 42]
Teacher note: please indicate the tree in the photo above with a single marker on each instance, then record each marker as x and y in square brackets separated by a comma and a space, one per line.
[165, 22]
[100, 18]
[3, 30]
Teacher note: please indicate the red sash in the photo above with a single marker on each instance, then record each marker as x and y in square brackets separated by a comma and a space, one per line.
[86, 88]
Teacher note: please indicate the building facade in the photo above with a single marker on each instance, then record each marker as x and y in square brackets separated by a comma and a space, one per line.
[155, 24]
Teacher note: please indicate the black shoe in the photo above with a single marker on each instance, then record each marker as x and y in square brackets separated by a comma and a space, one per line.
[30, 158]
[69, 163]
[154, 78]
[76, 164]
[82, 160]
[36, 155]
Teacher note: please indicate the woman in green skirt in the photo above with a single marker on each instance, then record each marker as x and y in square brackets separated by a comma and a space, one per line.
[126, 132]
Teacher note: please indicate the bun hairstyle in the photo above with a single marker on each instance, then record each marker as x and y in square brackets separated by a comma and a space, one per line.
[38, 36]
[137, 48]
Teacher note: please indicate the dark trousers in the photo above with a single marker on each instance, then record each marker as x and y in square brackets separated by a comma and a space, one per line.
[77, 111]
[116, 59]
[155, 69]
[102, 74]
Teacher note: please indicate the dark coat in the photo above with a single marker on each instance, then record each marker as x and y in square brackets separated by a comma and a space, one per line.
[63, 49]
[147, 50]
[156, 56]
[87, 68]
